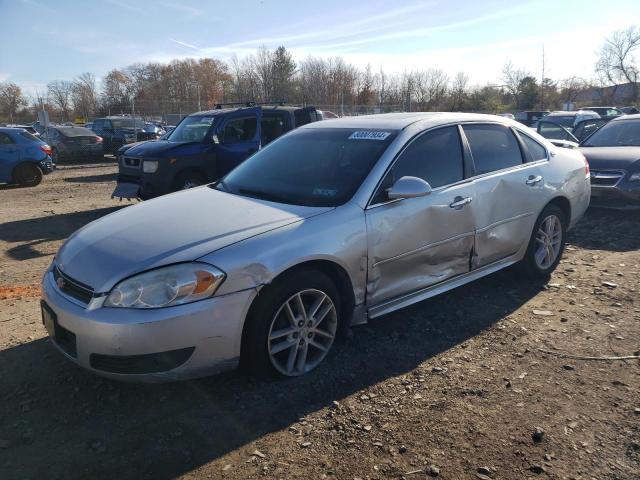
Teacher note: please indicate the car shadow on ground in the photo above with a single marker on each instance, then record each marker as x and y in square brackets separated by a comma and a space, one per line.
[58, 421]
[32, 232]
[607, 229]
[105, 177]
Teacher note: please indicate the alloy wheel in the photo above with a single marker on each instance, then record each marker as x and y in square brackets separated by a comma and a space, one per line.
[548, 242]
[302, 332]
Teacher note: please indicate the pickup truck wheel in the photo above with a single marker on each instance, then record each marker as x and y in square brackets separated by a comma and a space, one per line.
[546, 244]
[188, 180]
[291, 325]
[27, 175]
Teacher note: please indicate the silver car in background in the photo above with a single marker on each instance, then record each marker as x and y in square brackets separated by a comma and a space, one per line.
[334, 223]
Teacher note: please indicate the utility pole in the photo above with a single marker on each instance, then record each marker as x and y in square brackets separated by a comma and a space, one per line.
[198, 87]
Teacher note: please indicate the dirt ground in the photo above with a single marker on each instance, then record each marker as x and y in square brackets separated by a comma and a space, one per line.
[453, 387]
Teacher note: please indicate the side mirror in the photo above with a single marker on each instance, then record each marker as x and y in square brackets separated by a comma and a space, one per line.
[409, 187]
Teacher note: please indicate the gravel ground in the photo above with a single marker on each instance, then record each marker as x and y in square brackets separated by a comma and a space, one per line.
[455, 387]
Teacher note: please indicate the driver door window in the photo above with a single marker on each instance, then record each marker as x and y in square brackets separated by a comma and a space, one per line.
[239, 130]
[435, 157]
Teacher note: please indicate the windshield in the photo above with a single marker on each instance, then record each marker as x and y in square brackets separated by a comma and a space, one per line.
[76, 132]
[120, 123]
[564, 120]
[314, 167]
[191, 129]
[616, 134]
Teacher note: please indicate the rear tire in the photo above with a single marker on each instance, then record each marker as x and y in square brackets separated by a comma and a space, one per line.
[546, 244]
[292, 325]
[27, 175]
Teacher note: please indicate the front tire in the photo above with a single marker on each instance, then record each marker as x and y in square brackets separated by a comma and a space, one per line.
[292, 325]
[546, 244]
[187, 180]
[27, 175]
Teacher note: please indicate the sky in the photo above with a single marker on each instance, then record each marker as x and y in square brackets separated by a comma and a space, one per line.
[45, 40]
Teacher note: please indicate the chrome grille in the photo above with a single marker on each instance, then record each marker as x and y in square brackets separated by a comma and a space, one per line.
[72, 287]
[605, 178]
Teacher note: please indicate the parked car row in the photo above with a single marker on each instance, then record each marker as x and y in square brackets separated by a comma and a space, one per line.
[326, 226]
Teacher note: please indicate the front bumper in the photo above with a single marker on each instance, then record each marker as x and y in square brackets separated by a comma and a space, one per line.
[211, 328]
[624, 195]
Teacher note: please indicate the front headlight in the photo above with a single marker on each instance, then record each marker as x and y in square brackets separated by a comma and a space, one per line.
[167, 286]
[150, 166]
[635, 177]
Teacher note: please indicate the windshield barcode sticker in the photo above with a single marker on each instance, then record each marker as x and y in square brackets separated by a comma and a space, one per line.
[368, 135]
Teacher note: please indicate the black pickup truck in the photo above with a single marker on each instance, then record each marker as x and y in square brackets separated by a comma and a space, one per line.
[203, 147]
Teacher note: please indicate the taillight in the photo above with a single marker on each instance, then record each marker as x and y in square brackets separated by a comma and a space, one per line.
[46, 149]
[587, 172]
[98, 139]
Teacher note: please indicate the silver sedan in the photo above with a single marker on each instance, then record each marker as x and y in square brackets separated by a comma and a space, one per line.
[330, 225]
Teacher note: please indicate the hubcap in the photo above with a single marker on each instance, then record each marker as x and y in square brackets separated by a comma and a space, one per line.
[548, 242]
[190, 184]
[302, 332]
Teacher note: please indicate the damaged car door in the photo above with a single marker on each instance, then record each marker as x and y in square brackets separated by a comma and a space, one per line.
[417, 241]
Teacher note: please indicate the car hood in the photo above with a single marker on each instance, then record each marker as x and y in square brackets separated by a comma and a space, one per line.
[604, 158]
[163, 148]
[179, 227]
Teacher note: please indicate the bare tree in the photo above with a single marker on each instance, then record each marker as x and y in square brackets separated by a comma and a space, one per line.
[570, 88]
[11, 99]
[59, 93]
[84, 95]
[512, 78]
[459, 91]
[617, 62]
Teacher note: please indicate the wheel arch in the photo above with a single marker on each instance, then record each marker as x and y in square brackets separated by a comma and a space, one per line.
[563, 204]
[334, 271]
[21, 164]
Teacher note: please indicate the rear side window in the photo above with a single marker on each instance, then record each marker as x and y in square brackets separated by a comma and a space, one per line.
[493, 147]
[271, 127]
[537, 151]
[435, 156]
[6, 139]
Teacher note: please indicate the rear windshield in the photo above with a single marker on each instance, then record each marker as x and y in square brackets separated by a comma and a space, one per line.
[28, 136]
[565, 121]
[120, 123]
[625, 133]
[76, 132]
[316, 167]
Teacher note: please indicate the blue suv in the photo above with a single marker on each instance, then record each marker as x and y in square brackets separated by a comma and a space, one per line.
[203, 147]
[24, 158]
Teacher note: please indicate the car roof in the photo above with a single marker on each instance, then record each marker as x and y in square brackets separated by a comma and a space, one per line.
[622, 118]
[220, 111]
[570, 112]
[398, 121]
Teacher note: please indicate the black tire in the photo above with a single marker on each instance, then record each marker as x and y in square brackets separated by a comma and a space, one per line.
[27, 175]
[255, 358]
[188, 179]
[529, 265]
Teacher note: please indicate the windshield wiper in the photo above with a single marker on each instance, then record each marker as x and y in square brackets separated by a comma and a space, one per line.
[263, 195]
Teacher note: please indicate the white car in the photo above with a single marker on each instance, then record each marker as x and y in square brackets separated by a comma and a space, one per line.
[329, 225]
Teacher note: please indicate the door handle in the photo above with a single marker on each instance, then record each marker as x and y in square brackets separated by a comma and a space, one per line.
[460, 202]
[534, 180]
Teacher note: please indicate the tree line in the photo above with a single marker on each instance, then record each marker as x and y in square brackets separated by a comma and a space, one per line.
[185, 86]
